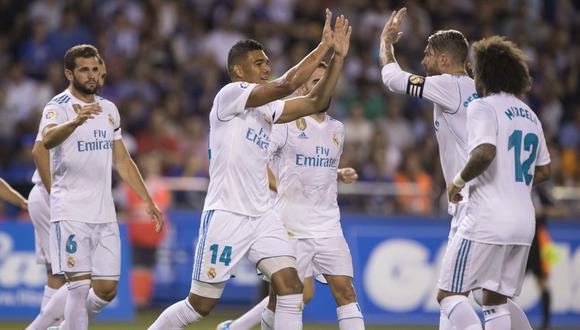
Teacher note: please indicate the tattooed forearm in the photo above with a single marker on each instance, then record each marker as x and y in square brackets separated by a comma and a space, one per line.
[478, 161]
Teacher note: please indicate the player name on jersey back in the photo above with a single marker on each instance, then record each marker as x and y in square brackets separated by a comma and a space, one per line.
[500, 209]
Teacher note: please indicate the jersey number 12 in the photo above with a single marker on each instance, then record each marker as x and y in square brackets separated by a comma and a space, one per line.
[522, 170]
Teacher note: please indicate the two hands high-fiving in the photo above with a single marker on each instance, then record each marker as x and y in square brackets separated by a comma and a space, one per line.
[338, 38]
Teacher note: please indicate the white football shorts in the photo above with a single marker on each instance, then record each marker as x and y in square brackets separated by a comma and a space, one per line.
[80, 247]
[470, 265]
[39, 211]
[225, 238]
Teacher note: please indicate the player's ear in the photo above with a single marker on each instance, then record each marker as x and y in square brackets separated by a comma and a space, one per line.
[238, 71]
[443, 60]
[68, 74]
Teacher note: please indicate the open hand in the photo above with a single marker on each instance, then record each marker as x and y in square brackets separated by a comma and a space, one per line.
[392, 30]
[87, 112]
[341, 36]
[327, 30]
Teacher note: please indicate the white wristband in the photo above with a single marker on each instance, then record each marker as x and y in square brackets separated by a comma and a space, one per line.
[458, 180]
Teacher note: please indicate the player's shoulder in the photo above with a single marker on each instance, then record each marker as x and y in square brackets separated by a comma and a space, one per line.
[105, 102]
[235, 87]
[335, 122]
[60, 100]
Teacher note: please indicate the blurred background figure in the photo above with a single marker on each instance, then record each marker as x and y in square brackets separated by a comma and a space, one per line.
[144, 240]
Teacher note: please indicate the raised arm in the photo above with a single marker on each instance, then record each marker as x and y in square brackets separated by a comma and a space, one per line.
[12, 196]
[390, 35]
[53, 134]
[319, 97]
[41, 159]
[130, 174]
[296, 76]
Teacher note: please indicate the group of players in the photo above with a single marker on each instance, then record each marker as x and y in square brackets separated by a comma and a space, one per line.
[492, 151]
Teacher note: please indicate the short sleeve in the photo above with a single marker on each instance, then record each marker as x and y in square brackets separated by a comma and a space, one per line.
[231, 100]
[275, 109]
[440, 89]
[543, 153]
[51, 114]
[481, 125]
[278, 138]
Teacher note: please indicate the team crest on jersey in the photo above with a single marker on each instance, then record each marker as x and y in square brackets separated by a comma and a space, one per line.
[77, 108]
[211, 273]
[50, 115]
[111, 121]
[70, 261]
[335, 139]
[244, 85]
[301, 124]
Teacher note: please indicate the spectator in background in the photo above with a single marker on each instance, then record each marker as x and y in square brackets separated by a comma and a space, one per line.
[414, 186]
[144, 240]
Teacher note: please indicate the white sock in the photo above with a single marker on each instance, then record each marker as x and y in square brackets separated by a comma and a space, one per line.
[289, 312]
[46, 295]
[350, 317]
[444, 323]
[251, 318]
[459, 312]
[94, 304]
[497, 317]
[267, 320]
[176, 316]
[518, 317]
[53, 311]
[75, 311]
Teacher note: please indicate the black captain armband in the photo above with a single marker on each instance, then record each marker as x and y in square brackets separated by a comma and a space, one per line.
[415, 86]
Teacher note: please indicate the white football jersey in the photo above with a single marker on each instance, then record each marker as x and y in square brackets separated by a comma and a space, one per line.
[500, 209]
[36, 176]
[238, 151]
[81, 166]
[450, 94]
[308, 154]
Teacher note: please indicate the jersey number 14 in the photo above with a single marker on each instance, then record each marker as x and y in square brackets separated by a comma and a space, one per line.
[225, 257]
[530, 143]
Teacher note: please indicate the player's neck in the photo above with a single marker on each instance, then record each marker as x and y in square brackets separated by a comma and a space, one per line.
[319, 117]
[87, 98]
[456, 72]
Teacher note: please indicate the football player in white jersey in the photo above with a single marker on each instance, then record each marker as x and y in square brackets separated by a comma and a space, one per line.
[238, 220]
[451, 90]
[82, 132]
[305, 158]
[54, 295]
[507, 156]
[12, 196]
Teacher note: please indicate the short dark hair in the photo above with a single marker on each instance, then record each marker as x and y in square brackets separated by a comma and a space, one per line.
[240, 51]
[77, 51]
[500, 66]
[450, 41]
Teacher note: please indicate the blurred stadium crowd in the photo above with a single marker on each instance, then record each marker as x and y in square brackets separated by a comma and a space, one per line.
[166, 61]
